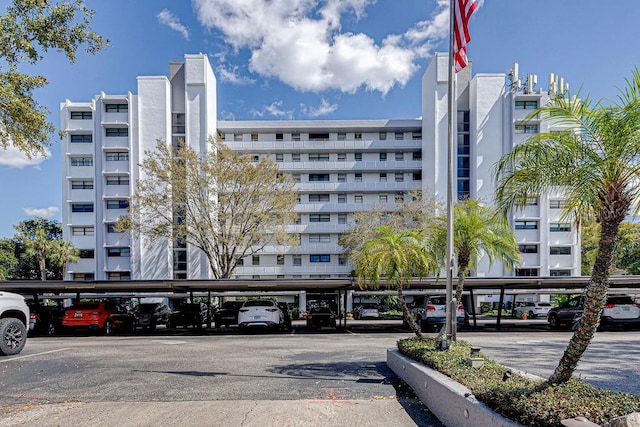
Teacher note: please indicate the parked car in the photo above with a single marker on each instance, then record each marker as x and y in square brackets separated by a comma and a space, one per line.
[618, 310]
[188, 314]
[150, 315]
[260, 313]
[320, 317]
[106, 317]
[14, 323]
[430, 312]
[227, 314]
[533, 309]
[286, 314]
[45, 319]
[367, 312]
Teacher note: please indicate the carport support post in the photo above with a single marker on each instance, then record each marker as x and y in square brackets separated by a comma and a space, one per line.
[473, 306]
[500, 304]
[208, 309]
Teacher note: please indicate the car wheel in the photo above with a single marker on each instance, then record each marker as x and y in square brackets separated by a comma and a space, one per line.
[108, 327]
[554, 322]
[51, 329]
[13, 336]
[152, 326]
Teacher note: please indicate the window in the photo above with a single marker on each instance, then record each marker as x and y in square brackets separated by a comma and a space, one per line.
[399, 197]
[82, 185]
[280, 259]
[178, 125]
[237, 137]
[82, 137]
[297, 177]
[319, 238]
[528, 249]
[357, 198]
[417, 176]
[116, 108]
[117, 156]
[82, 207]
[320, 258]
[526, 129]
[383, 157]
[382, 198]
[295, 136]
[318, 157]
[297, 260]
[255, 158]
[87, 253]
[111, 228]
[342, 218]
[117, 204]
[357, 177]
[557, 204]
[82, 161]
[342, 260]
[318, 198]
[298, 219]
[117, 132]
[118, 252]
[382, 136]
[559, 226]
[560, 250]
[383, 177]
[399, 157]
[342, 177]
[81, 115]
[342, 157]
[417, 155]
[526, 105]
[254, 136]
[532, 201]
[318, 177]
[83, 276]
[320, 218]
[318, 137]
[399, 177]
[559, 273]
[279, 137]
[240, 262]
[279, 157]
[399, 136]
[118, 275]
[295, 157]
[82, 231]
[357, 135]
[342, 198]
[416, 136]
[357, 157]
[526, 272]
[342, 136]
[255, 260]
[526, 225]
[117, 180]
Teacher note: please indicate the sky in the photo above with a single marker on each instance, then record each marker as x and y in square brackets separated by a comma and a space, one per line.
[306, 59]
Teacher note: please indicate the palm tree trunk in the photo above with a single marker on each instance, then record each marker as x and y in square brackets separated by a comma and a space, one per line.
[596, 295]
[42, 263]
[463, 265]
[405, 312]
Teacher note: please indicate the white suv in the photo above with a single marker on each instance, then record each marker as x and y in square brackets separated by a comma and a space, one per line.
[430, 312]
[14, 321]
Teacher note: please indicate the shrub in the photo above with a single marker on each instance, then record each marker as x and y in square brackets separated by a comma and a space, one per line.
[526, 401]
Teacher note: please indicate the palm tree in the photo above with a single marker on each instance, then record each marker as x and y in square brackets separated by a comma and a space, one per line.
[477, 230]
[398, 257]
[596, 163]
[63, 254]
[39, 245]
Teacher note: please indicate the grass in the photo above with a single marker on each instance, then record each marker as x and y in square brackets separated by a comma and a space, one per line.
[526, 401]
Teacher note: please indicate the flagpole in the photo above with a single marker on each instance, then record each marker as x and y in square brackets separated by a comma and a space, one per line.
[450, 333]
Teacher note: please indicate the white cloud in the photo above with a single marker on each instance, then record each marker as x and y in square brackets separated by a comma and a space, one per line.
[232, 75]
[14, 158]
[49, 212]
[274, 110]
[167, 18]
[322, 110]
[300, 42]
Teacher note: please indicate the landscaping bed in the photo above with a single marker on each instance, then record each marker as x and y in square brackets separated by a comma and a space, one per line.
[527, 401]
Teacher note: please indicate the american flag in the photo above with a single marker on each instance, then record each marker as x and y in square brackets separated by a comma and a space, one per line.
[463, 11]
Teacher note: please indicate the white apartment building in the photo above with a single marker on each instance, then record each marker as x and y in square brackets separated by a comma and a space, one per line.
[340, 166]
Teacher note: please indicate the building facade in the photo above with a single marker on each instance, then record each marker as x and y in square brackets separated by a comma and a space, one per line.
[340, 167]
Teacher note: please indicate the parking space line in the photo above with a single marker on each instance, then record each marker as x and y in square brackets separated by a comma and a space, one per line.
[33, 355]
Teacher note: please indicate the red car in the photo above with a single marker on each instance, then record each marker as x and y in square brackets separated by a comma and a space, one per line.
[105, 317]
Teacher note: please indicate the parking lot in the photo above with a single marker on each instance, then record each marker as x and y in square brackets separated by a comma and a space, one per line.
[226, 370]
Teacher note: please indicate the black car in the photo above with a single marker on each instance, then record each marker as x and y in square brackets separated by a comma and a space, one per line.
[227, 314]
[320, 317]
[45, 319]
[150, 315]
[188, 314]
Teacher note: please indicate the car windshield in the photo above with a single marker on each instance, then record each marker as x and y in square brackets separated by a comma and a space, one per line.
[86, 306]
[231, 305]
[544, 304]
[438, 300]
[620, 300]
[147, 308]
[321, 310]
[258, 303]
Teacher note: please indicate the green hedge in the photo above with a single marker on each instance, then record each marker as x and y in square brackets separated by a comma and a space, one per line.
[528, 402]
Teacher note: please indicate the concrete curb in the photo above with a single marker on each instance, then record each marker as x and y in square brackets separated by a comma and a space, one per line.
[451, 402]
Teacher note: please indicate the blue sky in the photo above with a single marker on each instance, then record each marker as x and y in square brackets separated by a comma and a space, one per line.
[305, 59]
